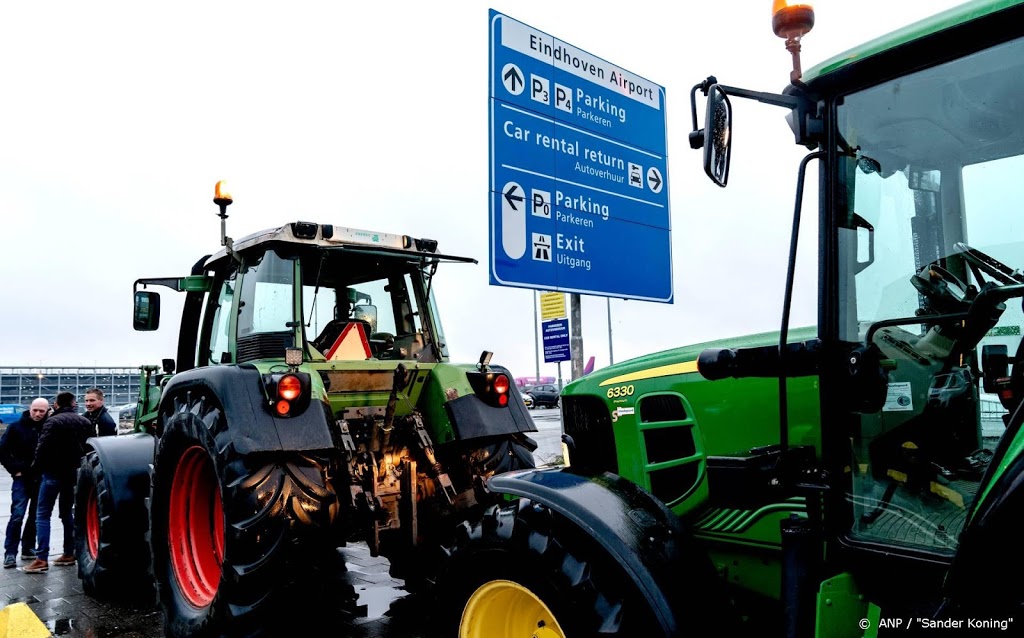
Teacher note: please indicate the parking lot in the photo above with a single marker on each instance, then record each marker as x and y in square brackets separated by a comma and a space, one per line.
[379, 601]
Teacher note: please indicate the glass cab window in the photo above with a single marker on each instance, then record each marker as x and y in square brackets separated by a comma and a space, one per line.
[214, 346]
[931, 248]
[266, 307]
[366, 309]
[219, 339]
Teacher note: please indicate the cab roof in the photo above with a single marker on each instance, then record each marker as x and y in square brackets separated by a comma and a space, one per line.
[932, 25]
[340, 237]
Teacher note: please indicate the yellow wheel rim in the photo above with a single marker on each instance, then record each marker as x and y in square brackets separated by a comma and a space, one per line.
[505, 609]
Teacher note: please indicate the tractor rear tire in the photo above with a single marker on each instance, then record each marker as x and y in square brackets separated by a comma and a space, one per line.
[523, 570]
[112, 564]
[236, 539]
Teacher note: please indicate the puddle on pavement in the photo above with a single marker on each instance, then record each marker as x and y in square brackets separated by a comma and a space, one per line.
[377, 599]
[135, 623]
[60, 626]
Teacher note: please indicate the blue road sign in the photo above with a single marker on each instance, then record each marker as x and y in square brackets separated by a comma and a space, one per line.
[556, 340]
[579, 171]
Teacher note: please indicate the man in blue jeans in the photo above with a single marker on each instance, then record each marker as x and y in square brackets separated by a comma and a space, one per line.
[58, 455]
[17, 449]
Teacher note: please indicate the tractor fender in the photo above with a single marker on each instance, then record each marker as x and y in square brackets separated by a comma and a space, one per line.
[125, 460]
[239, 392]
[640, 533]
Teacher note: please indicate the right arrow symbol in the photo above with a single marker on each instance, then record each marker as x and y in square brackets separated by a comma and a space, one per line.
[511, 197]
[654, 179]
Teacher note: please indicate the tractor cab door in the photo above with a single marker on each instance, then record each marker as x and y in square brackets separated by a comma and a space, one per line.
[930, 251]
[216, 335]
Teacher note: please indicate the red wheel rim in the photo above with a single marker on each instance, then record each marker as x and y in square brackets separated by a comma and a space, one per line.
[92, 525]
[195, 528]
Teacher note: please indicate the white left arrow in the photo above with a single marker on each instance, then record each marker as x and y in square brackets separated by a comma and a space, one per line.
[513, 220]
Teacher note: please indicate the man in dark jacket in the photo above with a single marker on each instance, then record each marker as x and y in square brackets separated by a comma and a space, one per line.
[58, 455]
[17, 449]
[97, 413]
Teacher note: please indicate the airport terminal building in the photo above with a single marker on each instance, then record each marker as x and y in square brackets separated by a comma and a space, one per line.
[20, 384]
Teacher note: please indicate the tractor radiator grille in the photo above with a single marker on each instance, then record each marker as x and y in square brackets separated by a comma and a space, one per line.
[587, 421]
[263, 345]
[672, 483]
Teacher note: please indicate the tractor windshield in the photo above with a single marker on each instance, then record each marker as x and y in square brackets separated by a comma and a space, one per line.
[931, 244]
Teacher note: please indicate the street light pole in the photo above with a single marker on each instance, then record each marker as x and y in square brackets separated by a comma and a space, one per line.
[536, 343]
[611, 357]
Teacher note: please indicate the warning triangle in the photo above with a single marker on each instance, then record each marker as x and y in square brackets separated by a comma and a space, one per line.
[351, 345]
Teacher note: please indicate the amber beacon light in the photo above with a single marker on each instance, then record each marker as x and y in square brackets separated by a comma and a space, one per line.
[792, 20]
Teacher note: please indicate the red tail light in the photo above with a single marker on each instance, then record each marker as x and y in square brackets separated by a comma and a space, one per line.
[289, 388]
[501, 385]
[287, 393]
[494, 388]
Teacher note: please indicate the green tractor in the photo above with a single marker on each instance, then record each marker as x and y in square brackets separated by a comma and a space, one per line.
[839, 480]
[311, 403]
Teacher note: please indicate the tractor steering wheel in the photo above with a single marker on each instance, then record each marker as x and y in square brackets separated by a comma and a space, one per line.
[944, 291]
[980, 262]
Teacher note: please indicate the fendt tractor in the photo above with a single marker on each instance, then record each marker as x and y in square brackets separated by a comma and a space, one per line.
[837, 480]
[311, 403]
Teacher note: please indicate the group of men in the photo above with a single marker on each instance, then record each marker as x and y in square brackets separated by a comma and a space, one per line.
[43, 451]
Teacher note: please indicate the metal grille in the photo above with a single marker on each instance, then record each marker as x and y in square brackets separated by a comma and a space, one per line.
[587, 421]
[658, 408]
[263, 345]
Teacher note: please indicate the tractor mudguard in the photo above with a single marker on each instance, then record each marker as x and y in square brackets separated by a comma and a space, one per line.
[239, 391]
[472, 417]
[642, 535]
[125, 460]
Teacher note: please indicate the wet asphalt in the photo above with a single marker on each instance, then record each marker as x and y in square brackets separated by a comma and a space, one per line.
[382, 608]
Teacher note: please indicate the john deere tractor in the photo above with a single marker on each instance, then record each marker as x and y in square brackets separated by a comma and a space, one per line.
[311, 403]
[843, 479]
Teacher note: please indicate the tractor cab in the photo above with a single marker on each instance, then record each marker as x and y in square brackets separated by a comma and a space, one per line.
[918, 147]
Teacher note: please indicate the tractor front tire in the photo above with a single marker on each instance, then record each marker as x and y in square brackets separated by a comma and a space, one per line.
[112, 563]
[524, 571]
[236, 539]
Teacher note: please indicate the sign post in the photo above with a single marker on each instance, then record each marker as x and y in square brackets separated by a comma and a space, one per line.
[578, 173]
[555, 334]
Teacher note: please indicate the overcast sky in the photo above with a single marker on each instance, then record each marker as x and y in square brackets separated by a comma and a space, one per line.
[118, 118]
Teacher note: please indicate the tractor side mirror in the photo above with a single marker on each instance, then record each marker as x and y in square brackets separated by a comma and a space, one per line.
[717, 135]
[367, 314]
[147, 311]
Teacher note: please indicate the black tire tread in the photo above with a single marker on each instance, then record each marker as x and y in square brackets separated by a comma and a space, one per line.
[278, 509]
[121, 568]
[528, 542]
